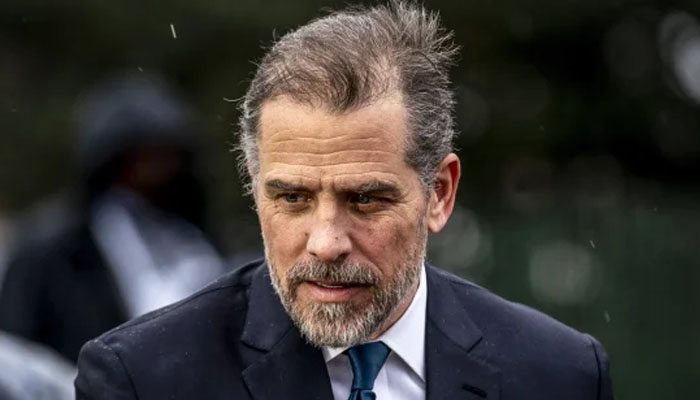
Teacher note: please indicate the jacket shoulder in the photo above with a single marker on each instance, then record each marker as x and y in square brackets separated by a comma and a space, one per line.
[533, 348]
[493, 313]
[174, 348]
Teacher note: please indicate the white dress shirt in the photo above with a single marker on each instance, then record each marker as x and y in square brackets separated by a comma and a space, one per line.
[403, 375]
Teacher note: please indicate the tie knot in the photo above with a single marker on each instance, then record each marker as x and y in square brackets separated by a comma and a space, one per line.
[366, 361]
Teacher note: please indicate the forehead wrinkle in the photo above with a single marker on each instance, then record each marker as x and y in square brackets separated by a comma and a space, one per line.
[290, 133]
[321, 126]
[328, 153]
[367, 145]
[324, 170]
[316, 158]
[327, 163]
[371, 137]
[314, 143]
[320, 153]
[334, 171]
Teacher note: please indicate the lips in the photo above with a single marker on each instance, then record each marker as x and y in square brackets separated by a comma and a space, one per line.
[332, 291]
[330, 286]
[335, 285]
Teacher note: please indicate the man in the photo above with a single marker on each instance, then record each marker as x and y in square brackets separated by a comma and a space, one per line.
[347, 132]
[133, 242]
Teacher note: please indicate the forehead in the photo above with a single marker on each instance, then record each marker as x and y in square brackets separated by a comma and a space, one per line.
[308, 143]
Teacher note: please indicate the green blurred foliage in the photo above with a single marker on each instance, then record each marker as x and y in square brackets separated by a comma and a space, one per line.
[580, 149]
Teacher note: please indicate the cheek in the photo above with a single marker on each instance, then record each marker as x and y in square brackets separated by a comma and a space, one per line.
[384, 244]
[284, 238]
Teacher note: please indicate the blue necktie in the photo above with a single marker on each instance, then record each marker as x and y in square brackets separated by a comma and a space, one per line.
[366, 361]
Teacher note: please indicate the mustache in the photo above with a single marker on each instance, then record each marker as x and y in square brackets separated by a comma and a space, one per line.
[344, 271]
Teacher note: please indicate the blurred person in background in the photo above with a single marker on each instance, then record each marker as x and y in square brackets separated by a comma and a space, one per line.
[33, 372]
[133, 242]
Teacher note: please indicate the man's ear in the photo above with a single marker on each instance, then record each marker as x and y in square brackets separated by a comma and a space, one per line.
[443, 193]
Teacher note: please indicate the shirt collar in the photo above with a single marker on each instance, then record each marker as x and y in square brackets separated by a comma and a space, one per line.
[406, 337]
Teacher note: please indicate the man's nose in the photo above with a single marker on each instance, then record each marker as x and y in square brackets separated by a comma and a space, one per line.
[328, 236]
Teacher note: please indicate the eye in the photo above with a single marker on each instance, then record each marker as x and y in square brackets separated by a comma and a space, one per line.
[291, 197]
[292, 201]
[367, 203]
[360, 198]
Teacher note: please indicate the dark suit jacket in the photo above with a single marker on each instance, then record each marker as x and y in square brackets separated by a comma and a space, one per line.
[60, 292]
[233, 340]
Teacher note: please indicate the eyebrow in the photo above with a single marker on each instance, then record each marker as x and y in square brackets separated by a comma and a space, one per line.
[276, 184]
[374, 186]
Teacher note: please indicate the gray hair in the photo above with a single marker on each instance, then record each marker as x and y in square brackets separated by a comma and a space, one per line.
[351, 58]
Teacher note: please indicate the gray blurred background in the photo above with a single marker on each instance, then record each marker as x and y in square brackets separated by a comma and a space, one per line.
[580, 147]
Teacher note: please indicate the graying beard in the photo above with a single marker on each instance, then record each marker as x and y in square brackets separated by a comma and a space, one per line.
[348, 324]
[338, 325]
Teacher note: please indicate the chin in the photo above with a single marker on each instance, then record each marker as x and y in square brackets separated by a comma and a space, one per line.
[337, 324]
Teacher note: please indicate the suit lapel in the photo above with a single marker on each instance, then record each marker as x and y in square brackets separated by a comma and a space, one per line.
[453, 372]
[288, 366]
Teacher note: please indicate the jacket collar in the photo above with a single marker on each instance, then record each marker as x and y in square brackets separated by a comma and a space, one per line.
[290, 367]
[453, 371]
[268, 322]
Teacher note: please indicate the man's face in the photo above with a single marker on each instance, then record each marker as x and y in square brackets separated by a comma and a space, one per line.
[343, 217]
